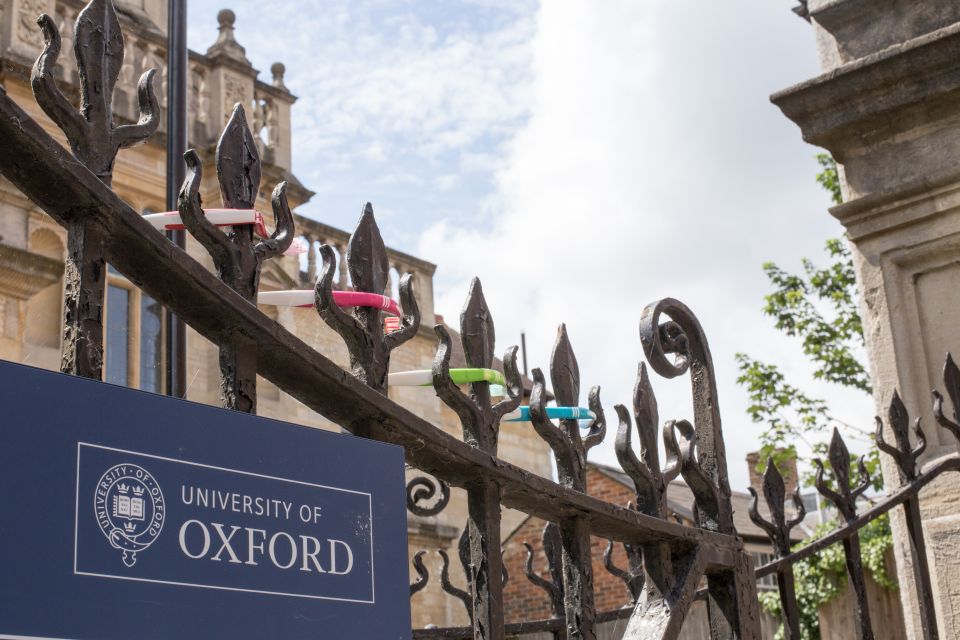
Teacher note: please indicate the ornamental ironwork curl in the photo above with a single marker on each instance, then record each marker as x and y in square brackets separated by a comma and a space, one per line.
[422, 489]
[552, 543]
[633, 578]
[423, 574]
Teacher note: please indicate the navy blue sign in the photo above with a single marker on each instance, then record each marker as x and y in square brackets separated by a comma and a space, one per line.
[125, 514]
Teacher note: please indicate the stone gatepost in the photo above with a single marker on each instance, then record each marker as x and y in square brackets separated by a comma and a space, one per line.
[888, 108]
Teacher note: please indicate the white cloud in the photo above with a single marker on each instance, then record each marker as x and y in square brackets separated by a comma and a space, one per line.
[652, 165]
[634, 151]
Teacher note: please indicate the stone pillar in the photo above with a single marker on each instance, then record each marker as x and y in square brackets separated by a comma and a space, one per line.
[232, 77]
[888, 109]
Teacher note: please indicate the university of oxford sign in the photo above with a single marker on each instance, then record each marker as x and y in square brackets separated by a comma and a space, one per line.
[128, 514]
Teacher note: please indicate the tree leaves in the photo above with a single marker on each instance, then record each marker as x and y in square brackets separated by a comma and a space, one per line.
[820, 307]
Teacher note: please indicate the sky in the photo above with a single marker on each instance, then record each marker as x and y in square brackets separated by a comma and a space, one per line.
[582, 157]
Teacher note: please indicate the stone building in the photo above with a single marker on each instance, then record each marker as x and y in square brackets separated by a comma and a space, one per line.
[887, 106]
[32, 246]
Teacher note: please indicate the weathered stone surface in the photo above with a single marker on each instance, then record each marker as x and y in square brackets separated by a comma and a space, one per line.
[888, 109]
[852, 29]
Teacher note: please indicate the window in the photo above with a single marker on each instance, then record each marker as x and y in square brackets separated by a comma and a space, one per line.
[761, 558]
[134, 334]
[811, 502]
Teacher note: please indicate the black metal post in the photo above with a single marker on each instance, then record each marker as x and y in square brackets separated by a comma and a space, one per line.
[177, 126]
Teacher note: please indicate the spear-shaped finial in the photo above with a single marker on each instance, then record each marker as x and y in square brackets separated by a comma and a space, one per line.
[570, 448]
[778, 529]
[95, 141]
[91, 132]
[237, 257]
[362, 329]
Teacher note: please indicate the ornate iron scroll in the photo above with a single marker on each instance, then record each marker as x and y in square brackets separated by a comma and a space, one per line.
[95, 142]
[237, 258]
[674, 347]
[552, 543]
[633, 578]
[421, 489]
[570, 452]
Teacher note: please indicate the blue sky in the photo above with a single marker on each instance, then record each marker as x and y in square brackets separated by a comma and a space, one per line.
[582, 157]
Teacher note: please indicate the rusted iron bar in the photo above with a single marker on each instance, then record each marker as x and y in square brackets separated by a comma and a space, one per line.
[362, 328]
[778, 529]
[570, 451]
[893, 500]
[237, 258]
[553, 625]
[178, 71]
[95, 142]
[480, 419]
[32, 160]
[674, 347]
[845, 499]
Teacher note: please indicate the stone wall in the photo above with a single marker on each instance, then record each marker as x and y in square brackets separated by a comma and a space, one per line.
[888, 108]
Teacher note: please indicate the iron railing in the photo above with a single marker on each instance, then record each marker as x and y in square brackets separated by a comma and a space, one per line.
[671, 565]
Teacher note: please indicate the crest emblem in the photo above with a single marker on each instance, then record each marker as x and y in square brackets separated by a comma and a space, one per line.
[130, 509]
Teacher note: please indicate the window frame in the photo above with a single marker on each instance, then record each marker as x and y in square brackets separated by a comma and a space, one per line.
[134, 331]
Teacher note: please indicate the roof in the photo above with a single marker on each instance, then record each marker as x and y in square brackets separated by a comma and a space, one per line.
[680, 501]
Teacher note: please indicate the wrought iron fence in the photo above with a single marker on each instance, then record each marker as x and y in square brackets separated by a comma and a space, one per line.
[671, 565]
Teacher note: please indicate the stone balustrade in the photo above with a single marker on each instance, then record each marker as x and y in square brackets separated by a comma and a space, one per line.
[318, 233]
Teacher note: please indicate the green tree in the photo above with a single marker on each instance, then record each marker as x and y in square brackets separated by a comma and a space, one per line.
[818, 306]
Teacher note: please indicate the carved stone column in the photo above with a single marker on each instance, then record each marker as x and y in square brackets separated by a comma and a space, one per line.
[888, 109]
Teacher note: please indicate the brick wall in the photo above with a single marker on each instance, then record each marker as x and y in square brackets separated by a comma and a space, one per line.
[523, 601]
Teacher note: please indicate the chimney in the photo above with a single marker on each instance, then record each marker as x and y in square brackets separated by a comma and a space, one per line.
[788, 469]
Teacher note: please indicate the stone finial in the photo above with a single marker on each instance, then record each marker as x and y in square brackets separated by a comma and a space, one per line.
[226, 18]
[226, 44]
[278, 69]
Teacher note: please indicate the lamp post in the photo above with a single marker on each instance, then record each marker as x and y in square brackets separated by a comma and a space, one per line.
[178, 68]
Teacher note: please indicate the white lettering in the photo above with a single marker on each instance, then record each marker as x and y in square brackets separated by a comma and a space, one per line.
[253, 546]
[225, 543]
[333, 557]
[183, 539]
[293, 550]
[310, 556]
